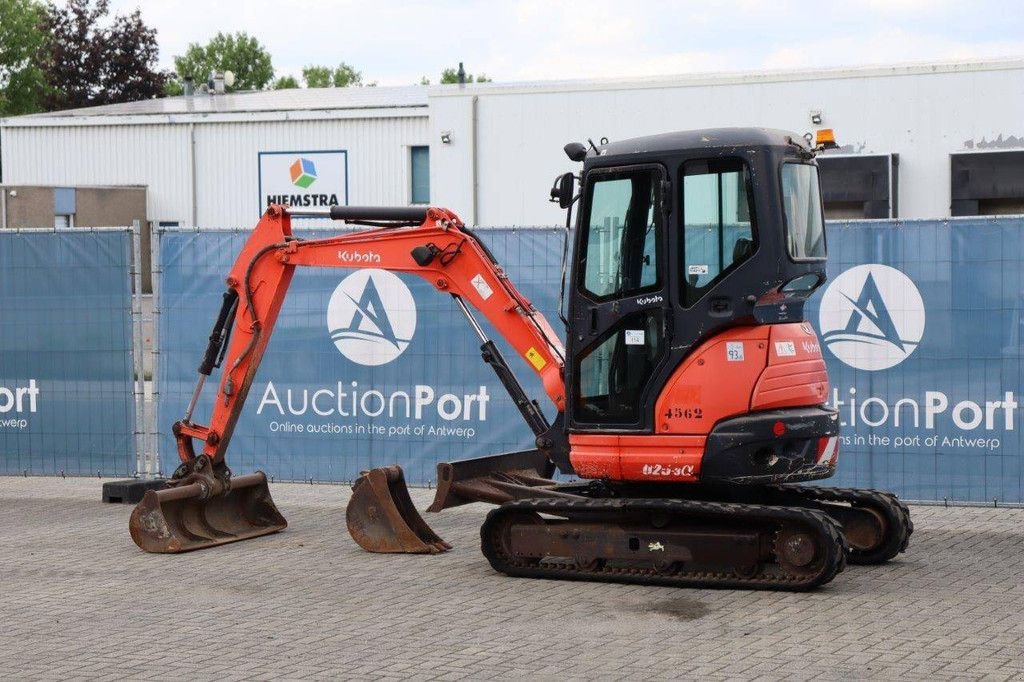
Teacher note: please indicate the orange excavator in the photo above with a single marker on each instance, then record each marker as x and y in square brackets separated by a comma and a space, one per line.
[689, 394]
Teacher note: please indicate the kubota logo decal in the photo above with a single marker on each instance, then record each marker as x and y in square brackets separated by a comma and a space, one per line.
[872, 317]
[303, 173]
[371, 317]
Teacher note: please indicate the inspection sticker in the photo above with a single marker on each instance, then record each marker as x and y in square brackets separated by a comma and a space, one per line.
[697, 270]
[634, 337]
[481, 287]
[734, 351]
[785, 349]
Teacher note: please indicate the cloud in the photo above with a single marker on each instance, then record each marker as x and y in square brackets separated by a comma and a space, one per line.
[886, 46]
[397, 42]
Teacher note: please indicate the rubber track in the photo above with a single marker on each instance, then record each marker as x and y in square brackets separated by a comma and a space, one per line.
[895, 512]
[829, 533]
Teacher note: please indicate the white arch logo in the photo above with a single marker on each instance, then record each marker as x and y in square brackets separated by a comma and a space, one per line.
[872, 317]
[371, 317]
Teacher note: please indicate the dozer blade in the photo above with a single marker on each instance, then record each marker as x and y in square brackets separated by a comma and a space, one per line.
[186, 517]
[381, 516]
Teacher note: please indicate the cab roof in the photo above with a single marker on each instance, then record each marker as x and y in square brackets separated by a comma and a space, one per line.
[707, 138]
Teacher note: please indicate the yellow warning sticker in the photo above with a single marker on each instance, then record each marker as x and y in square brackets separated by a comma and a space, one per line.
[536, 359]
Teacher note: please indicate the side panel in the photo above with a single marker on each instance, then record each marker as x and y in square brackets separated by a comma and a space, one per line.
[636, 458]
[714, 383]
[741, 371]
[796, 375]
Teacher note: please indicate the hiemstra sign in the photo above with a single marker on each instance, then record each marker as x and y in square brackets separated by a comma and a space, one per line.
[303, 179]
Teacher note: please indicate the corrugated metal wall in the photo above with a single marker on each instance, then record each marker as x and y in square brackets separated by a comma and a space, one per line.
[152, 155]
[924, 117]
[227, 171]
[158, 156]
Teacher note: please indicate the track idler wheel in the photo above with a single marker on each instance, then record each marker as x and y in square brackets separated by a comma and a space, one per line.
[876, 524]
[382, 518]
[203, 506]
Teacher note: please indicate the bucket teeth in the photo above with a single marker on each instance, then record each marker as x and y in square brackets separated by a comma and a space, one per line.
[187, 517]
[381, 516]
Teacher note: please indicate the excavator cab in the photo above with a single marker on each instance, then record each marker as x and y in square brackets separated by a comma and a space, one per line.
[682, 237]
[679, 237]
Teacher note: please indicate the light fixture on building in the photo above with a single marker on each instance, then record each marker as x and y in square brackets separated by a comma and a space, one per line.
[816, 118]
[446, 137]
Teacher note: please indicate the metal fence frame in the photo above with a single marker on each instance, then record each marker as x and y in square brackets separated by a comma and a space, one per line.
[160, 463]
[155, 462]
[135, 310]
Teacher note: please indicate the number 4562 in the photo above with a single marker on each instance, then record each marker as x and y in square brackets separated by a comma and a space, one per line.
[684, 413]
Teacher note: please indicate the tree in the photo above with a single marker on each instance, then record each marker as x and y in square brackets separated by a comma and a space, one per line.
[239, 53]
[131, 49]
[286, 83]
[345, 75]
[317, 76]
[449, 76]
[173, 88]
[87, 63]
[22, 81]
[325, 77]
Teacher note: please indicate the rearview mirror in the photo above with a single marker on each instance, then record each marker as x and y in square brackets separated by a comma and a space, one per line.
[564, 190]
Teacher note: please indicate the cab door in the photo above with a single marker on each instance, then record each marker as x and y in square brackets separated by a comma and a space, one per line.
[618, 301]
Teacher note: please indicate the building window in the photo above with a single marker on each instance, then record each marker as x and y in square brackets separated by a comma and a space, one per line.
[860, 186]
[64, 201]
[420, 174]
[986, 183]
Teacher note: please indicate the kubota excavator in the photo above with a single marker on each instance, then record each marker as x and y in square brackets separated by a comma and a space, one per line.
[690, 392]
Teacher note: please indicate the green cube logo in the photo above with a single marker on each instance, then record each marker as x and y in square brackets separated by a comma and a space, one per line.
[303, 173]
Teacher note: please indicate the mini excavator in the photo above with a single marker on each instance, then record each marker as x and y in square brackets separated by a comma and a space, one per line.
[689, 394]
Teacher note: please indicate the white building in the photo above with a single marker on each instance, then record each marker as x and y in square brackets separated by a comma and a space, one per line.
[919, 141]
[200, 156]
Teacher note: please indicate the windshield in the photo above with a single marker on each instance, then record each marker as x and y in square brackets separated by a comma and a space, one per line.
[805, 230]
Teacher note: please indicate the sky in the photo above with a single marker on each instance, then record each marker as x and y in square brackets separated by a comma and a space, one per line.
[397, 42]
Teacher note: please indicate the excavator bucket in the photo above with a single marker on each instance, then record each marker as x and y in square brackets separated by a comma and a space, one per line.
[188, 517]
[382, 518]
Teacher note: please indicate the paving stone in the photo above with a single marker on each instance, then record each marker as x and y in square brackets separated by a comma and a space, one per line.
[78, 600]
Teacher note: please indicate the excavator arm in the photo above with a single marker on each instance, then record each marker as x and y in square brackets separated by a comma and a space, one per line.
[203, 506]
[439, 249]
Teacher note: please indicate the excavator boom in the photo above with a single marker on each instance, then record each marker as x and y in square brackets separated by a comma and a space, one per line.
[429, 242]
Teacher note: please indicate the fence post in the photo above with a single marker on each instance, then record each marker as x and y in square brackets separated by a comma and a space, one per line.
[156, 270]
[138, 339]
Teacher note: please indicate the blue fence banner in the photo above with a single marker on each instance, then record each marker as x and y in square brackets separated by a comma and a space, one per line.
[920, 324]
[365, 367]
[66, 379]
[921, 327]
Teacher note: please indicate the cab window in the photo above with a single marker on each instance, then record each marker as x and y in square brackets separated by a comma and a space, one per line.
[801, 199]
[621, 242]
[718, 223]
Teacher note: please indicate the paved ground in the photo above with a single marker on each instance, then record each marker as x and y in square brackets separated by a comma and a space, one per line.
[77, 599]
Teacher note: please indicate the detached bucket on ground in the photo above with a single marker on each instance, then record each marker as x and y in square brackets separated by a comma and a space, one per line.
[382, 518]
[193, 516]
